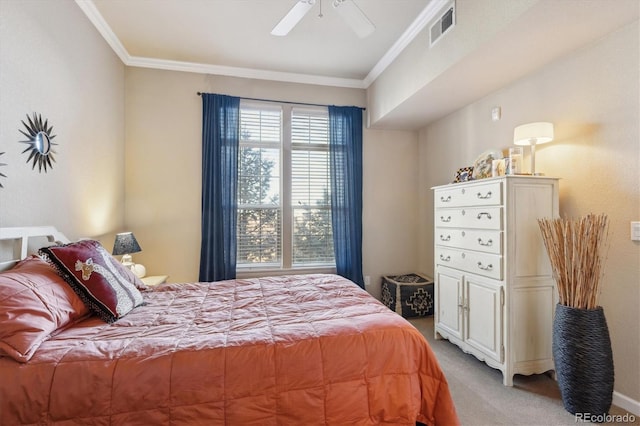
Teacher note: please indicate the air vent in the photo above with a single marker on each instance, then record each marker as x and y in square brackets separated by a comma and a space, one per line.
[444, 23]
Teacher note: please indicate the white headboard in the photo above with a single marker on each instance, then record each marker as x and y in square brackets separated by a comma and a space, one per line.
[16, 241]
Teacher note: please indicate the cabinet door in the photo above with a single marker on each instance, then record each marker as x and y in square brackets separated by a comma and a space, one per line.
[449, 299]
[484, 318]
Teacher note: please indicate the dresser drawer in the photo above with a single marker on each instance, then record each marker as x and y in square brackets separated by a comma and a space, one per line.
[481, 194]
[480, 240]
[470, 217]
[485, 264]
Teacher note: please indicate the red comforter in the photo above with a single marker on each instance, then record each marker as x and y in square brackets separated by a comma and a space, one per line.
[312, 350]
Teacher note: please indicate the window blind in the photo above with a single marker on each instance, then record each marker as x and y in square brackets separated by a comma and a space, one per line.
[266, 202]
[310, 196]
[259, 199]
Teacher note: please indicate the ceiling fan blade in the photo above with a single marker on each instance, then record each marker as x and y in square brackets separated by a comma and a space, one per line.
[354, 17]
[292, 18]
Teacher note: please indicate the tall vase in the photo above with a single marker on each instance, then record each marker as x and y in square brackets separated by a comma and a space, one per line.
[583, 359]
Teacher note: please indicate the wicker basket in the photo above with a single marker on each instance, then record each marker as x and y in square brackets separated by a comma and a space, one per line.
[410, 295]
[583, 359]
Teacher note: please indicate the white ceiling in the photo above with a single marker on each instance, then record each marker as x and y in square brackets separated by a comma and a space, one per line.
[232, 37]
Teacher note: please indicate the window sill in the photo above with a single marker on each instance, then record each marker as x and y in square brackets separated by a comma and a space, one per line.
[259, 273]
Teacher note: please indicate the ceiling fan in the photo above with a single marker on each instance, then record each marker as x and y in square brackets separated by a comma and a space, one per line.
[347, 9]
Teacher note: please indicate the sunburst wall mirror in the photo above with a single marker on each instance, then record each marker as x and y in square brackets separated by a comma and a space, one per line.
[1, 174]
[40, 140]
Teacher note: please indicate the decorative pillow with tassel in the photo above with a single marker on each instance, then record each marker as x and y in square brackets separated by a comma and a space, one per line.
[107, 287]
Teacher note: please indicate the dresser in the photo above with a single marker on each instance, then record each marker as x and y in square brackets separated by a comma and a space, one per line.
[493, 286]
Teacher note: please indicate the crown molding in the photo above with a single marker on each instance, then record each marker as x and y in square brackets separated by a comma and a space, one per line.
[163, 64]
[429, 12]
[90, 9]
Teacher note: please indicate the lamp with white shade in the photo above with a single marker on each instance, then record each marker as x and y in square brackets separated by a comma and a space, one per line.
[533, 134]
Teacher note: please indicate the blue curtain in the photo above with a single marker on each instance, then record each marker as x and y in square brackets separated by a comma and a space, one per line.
[345, 148]
[220, 141]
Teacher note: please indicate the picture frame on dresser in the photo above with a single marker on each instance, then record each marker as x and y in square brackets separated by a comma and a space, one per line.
[463, 174]
[494, 291]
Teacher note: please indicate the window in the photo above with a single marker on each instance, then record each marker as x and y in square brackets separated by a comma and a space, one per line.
[284, 203]
[310, 196]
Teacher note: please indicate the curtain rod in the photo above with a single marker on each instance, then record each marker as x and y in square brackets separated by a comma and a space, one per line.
[284, 102]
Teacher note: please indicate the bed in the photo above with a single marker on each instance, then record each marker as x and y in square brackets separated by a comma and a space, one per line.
[291, 350]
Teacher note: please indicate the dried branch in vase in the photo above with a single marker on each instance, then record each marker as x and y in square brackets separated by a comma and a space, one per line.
[576, 250]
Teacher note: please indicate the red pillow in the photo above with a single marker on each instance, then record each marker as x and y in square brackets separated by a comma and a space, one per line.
[103, 283]
[34, 302]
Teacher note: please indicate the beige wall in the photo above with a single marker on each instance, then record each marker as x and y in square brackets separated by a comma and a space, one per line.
[390, 205]
[53, 62]
[593, 98]
[163, 171]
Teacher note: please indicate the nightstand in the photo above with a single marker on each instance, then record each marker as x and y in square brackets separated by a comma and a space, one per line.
[155, 279]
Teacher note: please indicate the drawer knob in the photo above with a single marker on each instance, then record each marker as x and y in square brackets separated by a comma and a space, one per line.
[445, 259]
[484, 197]
[487, 214]
[489, 242]
[445, 200]
[489, 267]
[448, 219]
[443, 238]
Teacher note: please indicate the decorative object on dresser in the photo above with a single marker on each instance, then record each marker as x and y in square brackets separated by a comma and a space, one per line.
[463, 174]
[124, 245]
[513, 164]
[40, 142]
[494, 289]
[533, 134]
[581, 342]
[498, 167]
[483, 164]
[410, 295]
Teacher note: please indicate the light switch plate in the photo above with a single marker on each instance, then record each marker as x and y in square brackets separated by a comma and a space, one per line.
[635, 231]
[496, 113]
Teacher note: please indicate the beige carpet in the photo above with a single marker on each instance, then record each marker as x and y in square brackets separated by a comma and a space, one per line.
[482, 400]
